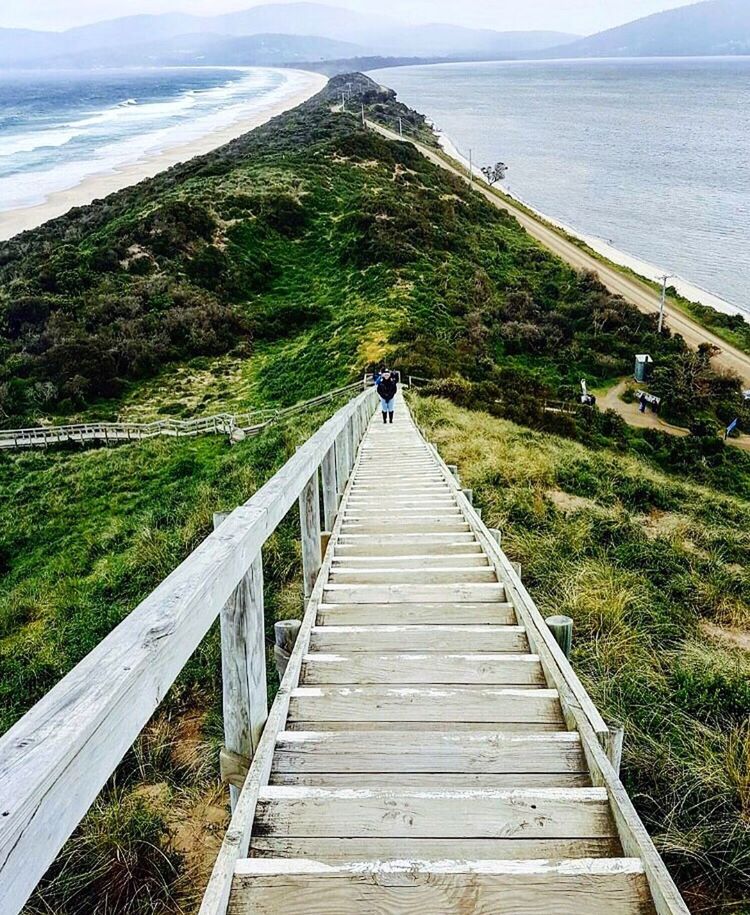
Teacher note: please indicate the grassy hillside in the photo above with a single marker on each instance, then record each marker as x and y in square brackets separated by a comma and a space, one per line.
[321, 248]
[281, 266]
[654, 573]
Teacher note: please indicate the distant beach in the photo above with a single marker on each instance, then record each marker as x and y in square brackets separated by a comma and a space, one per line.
[296, 87]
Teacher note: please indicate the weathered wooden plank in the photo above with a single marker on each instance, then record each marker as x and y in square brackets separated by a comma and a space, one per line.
[467, 560]
[471, 639]
[487, 668]
[419, 538]
[450, 574]
[243, 665]
[309, 516]
[433, 613]
[480, 813]
[435, 525]
[406, 594]
[415, 703]
[329, 488]
[267, 887]
[333, 850]
[483, 727]
[428, 751]
[433, 780]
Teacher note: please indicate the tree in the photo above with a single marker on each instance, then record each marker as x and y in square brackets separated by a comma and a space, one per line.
[495, 173]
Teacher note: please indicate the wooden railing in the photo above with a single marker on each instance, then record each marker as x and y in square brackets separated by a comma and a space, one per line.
[56, 759]
[250, 423]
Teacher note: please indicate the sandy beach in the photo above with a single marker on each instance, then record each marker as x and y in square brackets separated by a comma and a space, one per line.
[304, 85]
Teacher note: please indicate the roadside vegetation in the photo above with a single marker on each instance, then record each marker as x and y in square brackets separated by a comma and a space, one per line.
[654, 572]
[287, 264]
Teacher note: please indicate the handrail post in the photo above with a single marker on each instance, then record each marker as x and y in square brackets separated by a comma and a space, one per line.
[309, 519]
[243, 665]
[342, 462]
[330, 496]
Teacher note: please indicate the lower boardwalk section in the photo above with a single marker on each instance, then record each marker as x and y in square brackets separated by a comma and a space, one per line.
[425, 764]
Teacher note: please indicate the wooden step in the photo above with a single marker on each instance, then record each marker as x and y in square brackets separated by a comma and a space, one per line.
[433, 613]
[465, 560]
[437, 751]
[553, 813]
[473, 639]
[413, 594]
[412, 575]
[268, 886]
[486, 669]
[433, 780]
[483, 727]
[424, 703]
[432, 526]
[433, 537]
[514, 849]
[394, 548]
[424, 513]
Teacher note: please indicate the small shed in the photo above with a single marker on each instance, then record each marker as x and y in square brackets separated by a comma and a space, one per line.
[643, 365]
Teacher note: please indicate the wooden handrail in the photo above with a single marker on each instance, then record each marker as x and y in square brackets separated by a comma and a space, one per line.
[217, 424]
[56, 759]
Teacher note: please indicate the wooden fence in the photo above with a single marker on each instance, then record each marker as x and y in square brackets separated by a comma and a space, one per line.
[57, 758]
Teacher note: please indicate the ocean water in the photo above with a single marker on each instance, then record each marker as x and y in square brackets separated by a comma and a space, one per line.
[651, 156]
[58, 128]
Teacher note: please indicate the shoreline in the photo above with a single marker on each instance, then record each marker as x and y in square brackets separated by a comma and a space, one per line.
[642, 268]
[97, 186]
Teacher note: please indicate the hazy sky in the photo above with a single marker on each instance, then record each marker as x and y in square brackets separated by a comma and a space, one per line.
[584, 16]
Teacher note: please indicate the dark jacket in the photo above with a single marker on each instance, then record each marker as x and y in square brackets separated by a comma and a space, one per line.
[387, 388]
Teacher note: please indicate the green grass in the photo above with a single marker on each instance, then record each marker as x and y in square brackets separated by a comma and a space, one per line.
[639, 560]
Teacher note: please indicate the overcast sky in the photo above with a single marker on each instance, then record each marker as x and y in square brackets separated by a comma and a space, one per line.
[582, 16]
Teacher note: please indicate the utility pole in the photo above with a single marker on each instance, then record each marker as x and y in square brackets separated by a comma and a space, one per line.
[364, 123]
[471, 167]
[400, 129]
[664, 279]
[343, 102]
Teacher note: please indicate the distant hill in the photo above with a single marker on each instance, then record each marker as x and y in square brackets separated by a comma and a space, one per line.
[717, 27]
[178, 38]
[216, 50]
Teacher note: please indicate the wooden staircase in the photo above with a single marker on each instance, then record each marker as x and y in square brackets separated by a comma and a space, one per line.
[422, 763]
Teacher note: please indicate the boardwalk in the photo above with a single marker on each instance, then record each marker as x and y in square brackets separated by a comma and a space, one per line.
[423, 763]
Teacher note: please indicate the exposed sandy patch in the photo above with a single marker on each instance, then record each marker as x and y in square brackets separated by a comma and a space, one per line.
[736, 638]
[568, 503]
[188, 745]
[198, 830]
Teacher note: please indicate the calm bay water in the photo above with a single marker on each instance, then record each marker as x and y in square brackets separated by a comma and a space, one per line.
[650, 155]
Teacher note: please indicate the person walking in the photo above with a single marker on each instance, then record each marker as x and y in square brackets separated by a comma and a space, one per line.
[387, 388]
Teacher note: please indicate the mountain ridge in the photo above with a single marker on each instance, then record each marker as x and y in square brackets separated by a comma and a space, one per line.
[372, 35]
[707, 28]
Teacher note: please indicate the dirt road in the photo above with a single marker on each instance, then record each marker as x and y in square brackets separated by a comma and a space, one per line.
[618, 283]
[648, 420]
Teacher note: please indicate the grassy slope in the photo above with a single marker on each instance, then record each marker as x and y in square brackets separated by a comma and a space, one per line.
[639, 560]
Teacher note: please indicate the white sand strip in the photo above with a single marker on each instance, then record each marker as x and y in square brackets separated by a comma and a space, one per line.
[301, 85]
